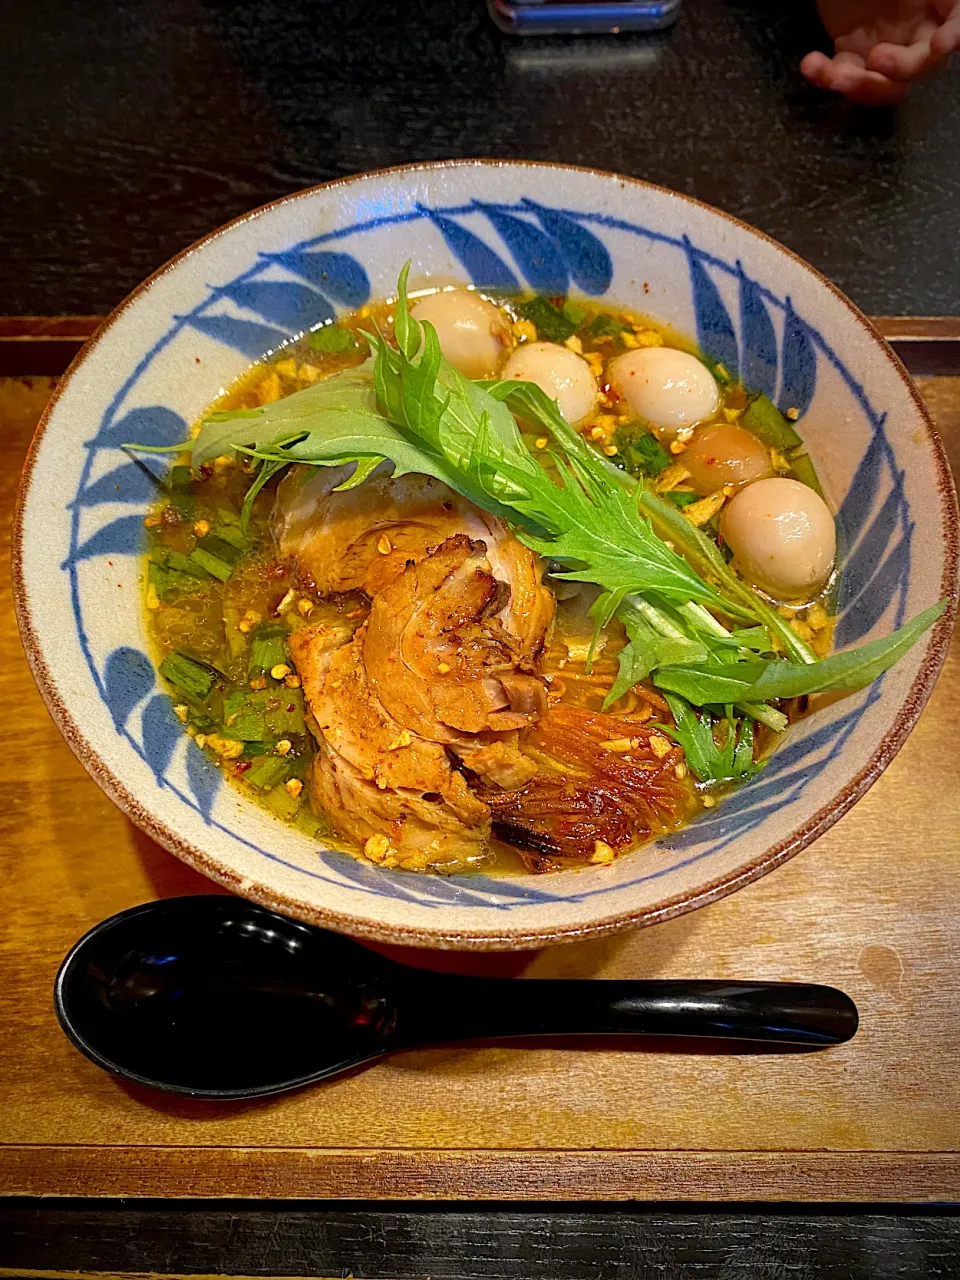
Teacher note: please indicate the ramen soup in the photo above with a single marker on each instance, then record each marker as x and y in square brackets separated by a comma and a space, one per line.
[461, 581]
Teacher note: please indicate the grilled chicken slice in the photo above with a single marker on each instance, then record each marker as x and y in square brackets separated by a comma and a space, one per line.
[391, 782]
[437, 645]
[419, 831]
[363, 538]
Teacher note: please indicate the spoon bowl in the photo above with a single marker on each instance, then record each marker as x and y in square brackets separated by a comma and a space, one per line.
[216, 997]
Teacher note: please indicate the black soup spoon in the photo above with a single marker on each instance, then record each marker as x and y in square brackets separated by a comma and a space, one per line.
[215, 997]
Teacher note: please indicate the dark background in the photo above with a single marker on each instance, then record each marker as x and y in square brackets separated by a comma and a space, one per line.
[128, 128]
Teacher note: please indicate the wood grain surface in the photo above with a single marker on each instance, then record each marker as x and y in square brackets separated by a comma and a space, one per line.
[871, 907]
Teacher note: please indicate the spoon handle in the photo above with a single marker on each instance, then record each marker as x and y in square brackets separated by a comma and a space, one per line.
[775, 1012]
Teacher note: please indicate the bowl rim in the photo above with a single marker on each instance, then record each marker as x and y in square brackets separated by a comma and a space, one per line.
[496, 939]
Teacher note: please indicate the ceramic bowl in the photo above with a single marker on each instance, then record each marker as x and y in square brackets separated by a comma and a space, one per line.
[252, 286]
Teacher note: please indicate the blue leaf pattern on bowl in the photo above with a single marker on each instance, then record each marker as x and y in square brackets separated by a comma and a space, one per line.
[122, 537]
[586, 257]
[337, 275]
[484, 267]
[129, 483]
[154, 425]
[715, 332]
[292, 306]
[799, 373]
[161, 733]
[758, 366]
[535, 254]
[127, 679]
[250, 339]
[204, 777]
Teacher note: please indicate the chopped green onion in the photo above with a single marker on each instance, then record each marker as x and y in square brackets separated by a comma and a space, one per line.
[605, 326]
[231, 533]
[268, 771]
[768, 424]
[332, 338]
[223, 549]
[183, 564]
[550, 322]
[244, 717]
[282, 803]
[286, 720]
[802, 469]
[186, 674]
[574, 313]
[213, 564]
[680, 498]
[641, 454]
[268, 648]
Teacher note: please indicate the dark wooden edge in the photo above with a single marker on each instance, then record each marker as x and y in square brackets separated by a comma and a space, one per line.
[42, 345]
[45, 345]
[58, 1240]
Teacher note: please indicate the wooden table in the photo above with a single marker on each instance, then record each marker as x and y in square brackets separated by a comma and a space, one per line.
[871, 907]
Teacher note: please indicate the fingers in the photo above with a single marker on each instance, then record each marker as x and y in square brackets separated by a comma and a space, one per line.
[902, 62]
[847, 74]
[946, 39]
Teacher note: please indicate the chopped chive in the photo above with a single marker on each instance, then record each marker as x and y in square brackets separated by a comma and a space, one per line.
[802, 469]
[183, 564]
[549, 321]
[574, 313]
[213, 564]
[268, 648]
[641, 454]
[332, 338]
[282, 803]
[223, 549]
[232, 534]
[244, 717]
[286, 720]
[768, 424]
[268, 771]
[605, 326]
[186, 674]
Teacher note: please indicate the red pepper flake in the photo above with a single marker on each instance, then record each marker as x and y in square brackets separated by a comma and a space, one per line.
[243, 766]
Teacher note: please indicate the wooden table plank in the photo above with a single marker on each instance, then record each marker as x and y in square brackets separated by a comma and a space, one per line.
[869, 907]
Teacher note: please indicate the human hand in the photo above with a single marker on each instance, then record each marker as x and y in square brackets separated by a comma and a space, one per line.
[882, 46]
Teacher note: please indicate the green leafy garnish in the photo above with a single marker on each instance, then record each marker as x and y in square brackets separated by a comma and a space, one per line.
[551, 323]
[641, 455]
[605, 326]
[680, 498]
[333, 338]
[732, 761]
[574, 312]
